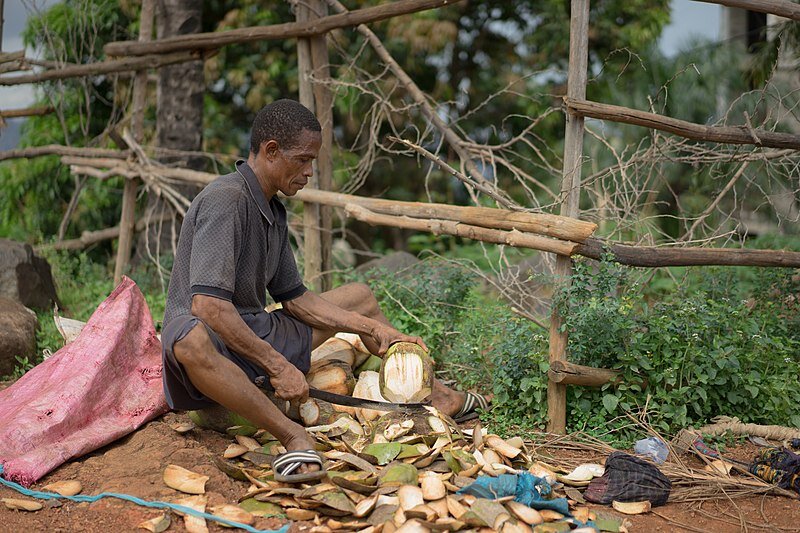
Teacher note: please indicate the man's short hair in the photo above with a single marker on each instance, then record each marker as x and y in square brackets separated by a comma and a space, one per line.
[282, 121]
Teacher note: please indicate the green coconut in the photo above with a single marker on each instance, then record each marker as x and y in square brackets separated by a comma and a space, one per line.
[406, 374]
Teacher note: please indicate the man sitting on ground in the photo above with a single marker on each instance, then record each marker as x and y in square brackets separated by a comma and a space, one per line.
[218, 341]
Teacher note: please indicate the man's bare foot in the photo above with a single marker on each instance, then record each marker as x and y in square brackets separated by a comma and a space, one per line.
[446, 400]
[299, 440]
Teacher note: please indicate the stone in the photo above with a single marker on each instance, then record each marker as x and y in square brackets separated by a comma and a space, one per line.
[393, 262]
[25, 277]
[17, 334]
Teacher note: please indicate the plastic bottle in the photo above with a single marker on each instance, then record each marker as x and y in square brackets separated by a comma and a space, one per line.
[653, 447]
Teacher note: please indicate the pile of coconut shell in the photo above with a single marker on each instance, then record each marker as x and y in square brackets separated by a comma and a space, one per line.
[402, 473]
[390, 471]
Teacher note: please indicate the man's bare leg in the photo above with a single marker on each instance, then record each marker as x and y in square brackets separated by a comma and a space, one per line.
[225, 383]
[358, 297]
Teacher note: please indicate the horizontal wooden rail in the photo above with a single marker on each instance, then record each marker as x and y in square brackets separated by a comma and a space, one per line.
[57, 149]
[689, 130]
[572, 374]
[288, 30]
[101, 67]
[782, 8]
[89, 238]
[435, 218]
[568, 229]
[26, 112]
[6, 57]
[450, 227]
[651, 256]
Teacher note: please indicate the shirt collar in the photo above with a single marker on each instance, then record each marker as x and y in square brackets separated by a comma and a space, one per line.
[254, 187]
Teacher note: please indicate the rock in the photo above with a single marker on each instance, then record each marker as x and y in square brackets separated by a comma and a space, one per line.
[342, 254]
[17, 334]
[24, 276]
[392, 262]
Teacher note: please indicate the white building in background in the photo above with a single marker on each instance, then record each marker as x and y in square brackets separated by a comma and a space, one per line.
[748, 30]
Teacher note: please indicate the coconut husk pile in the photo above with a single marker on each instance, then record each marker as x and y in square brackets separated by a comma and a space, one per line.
[390, 471]
[401, 472]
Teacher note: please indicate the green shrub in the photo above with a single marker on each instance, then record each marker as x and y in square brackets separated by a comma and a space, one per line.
[425, 299]
[500, 352]
[695, 354]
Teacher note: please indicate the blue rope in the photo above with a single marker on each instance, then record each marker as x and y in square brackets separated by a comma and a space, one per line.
[138, 501]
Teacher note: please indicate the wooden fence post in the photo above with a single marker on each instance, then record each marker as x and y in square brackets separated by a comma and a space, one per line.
[570, 197]
[127, 219]
[323, 100]
[312, 59]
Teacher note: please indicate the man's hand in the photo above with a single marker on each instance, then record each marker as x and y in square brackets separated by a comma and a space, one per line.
[290, 384]
[384, 336]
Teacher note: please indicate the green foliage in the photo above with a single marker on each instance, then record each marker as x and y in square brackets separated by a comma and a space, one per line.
[425, 299]
[499, 352]
[698, 353]
[22, 366]
[36, 191]
[724, 344]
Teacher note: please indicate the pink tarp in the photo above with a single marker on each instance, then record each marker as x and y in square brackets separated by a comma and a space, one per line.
[100, 387]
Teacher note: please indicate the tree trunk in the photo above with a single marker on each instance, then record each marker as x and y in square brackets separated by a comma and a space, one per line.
[179, 119]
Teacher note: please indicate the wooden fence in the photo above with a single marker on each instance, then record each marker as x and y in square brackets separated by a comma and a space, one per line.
[564, 235]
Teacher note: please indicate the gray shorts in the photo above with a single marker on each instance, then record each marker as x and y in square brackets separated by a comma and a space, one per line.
[285, 333]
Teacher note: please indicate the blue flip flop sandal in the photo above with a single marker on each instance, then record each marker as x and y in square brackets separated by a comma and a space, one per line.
[287, 463]
[472, 403]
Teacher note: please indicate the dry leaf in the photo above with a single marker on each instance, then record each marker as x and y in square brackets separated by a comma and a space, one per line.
[184, 427]
[302, 515]
[22, 505]
[526, 514]
[194, 524]
[550, 516]
[248, 442]
[632, 507]
[432, 486]
[65, 488]
[718, 466]
[585, 472]
[502, 447]
[158, 524]
[234, 450]
[410, 496]
[233, 513]
[178, 478]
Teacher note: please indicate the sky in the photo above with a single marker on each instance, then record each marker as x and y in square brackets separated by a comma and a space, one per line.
[15, 12]
[688, 19]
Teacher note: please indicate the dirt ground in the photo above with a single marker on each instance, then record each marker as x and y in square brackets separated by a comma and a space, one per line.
[134, 465]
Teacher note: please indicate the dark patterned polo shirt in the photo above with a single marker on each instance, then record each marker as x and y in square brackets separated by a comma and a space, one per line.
[234, 245]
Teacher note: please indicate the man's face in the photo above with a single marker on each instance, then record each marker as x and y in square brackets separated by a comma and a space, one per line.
[292, 167]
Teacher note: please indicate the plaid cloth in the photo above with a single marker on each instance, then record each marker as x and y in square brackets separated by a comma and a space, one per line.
[779, 466]
[629, 479]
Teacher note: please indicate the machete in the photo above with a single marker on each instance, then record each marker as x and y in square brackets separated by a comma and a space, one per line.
[349, 401]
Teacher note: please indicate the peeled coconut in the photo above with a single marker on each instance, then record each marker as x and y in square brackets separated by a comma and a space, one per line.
[406, 374]
[361, 351]
[333, 376]
[333, 349]
[368, 388]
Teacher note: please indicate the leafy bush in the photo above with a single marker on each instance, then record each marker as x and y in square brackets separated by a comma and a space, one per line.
[725, 344]
[696, 354]
[425, 299]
